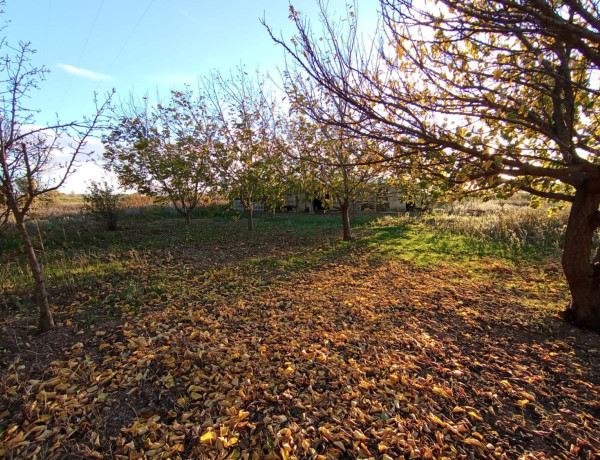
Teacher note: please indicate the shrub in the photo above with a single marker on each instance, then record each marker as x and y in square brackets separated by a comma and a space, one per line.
[103, 204]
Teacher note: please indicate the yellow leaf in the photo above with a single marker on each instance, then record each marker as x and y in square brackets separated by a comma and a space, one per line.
[234, 455]
[178, 448]
[232, 441]
[208, 436]
[473, 442]
[441, 391]
[475, 415]
[287, 371]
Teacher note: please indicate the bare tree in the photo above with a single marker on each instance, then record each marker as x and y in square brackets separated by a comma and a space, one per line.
[34, 160]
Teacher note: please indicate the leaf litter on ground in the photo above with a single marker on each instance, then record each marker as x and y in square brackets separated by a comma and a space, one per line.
[359, 357]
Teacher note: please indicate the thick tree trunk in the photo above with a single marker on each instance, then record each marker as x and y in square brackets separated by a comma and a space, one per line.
[345, 208]
[41, 297]
[583, 275]
[186, 216]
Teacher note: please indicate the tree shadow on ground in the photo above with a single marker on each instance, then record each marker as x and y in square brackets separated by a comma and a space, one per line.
[350, 351]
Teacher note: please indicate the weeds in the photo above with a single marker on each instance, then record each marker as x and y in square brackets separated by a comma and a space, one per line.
[514, 226]
[510, 230]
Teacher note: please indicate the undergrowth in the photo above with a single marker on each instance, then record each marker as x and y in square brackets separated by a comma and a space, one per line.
[513, 232]
[76, 253]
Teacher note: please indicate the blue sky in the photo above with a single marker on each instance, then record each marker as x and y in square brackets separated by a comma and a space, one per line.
[145, 45]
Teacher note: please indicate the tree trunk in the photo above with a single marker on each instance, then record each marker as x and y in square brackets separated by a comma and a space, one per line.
[250, 219]
[583, 274]
[41, 297]
[186, 216]
[345, 208]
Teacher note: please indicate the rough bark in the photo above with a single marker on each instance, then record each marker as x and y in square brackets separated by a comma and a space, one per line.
[583, 274]
[345, 209]
[41, 297]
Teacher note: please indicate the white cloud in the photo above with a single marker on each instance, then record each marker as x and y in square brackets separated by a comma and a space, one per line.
[88, 166]
[84, 174]
[84, 73]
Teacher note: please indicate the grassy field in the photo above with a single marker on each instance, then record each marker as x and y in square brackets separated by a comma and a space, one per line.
[425, 337]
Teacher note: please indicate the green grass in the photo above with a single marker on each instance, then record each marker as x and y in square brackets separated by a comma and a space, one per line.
[76, 254]
[424, 242]
[306, 224]
[423, 246]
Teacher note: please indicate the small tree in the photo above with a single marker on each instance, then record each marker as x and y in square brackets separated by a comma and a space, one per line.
[29, 165]
[103, 204]
[250, 161]
[250, 157]
[165, 151]
[328, 159]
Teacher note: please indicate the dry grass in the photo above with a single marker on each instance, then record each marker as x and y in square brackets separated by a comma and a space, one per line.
[504, 223]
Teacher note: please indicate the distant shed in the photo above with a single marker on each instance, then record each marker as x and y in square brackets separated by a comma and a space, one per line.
[258, 206]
